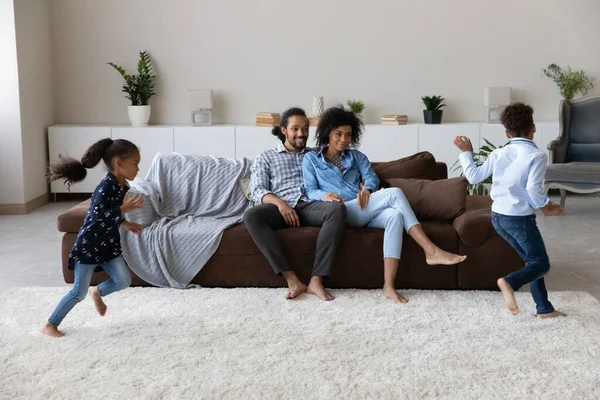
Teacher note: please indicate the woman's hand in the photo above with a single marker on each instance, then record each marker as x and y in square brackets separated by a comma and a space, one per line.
[333, 197]
[132, 227]
[363, 198]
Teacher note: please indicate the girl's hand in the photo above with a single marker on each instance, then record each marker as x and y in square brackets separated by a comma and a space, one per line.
[132, 227]
[463, 143]
[333, 197]
[131, 203]
[363, 198]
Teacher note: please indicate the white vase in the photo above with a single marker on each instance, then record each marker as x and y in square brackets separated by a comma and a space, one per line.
[138, 115]
[317, 106]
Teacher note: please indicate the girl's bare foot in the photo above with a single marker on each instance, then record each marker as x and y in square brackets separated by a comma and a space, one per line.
[509, 296]
[390, 293]
[51, 330]
[441, 257]
[100, 306]
[295, 289]
[316, 287]
[553, 314]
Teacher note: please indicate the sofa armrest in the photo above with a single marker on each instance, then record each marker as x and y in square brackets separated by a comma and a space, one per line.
[474, 226]
[442, 169]
[72, 219]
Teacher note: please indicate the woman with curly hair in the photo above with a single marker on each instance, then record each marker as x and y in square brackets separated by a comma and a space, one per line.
[336, 172]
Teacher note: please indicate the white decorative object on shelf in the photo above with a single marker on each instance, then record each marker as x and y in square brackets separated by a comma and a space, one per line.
[317, 106]
[201, 104]
[495, 100]
[138, 115]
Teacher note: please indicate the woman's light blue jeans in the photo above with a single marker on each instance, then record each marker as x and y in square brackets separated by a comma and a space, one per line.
[387, 209]
[120, 278]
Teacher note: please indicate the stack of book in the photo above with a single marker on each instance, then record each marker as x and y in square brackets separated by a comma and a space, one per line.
[394, 119]
[267, 119]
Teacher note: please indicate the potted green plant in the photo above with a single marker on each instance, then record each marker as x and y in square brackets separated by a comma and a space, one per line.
[570, 82]
[357, 107]
[139, 89]
[433, 109]
[483, 188]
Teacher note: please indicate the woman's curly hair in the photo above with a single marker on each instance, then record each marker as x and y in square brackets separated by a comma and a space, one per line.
[334, 118]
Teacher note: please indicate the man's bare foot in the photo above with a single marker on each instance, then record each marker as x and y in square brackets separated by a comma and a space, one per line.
[509, 296]
[51, 330]
[295, 288]
[441, 257]
[390, 293]
[316, 287]
[100, 306]
[553, 314]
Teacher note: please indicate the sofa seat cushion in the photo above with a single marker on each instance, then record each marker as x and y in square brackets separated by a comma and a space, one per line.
[441, 200]
[474, 226]
[574, 172]
[72, 219]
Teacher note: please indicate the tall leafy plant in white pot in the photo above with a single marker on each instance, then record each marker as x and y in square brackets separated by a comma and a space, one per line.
[139, 89]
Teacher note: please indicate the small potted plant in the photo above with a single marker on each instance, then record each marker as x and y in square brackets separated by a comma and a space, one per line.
[357, 107]
[139, 89]
[569, 81]
[482, 188]
[433, 109]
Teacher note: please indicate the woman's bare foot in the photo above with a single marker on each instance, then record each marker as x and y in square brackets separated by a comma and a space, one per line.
[509, 296]
[51, 330]
[100, 306]
[553, 314]
[316, 287]
[390, 293]
[441, 257]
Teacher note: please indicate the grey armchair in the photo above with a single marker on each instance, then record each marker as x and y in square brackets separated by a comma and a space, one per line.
[575, 154]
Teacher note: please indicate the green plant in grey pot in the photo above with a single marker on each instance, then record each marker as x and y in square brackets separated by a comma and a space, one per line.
[482, 188]
[139, 89]
[570, 82]
[357, 107]
[433, 109]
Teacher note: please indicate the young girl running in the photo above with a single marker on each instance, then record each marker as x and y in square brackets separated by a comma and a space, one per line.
[98, 244]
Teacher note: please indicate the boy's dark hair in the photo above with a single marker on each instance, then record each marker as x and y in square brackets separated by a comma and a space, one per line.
[517, 119]
[107, 149]
[292, 112]
[334, 118]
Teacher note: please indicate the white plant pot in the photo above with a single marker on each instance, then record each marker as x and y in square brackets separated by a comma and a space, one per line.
[139, 115]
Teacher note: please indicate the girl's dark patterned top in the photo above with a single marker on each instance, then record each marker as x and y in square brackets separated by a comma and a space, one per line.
[99, 239]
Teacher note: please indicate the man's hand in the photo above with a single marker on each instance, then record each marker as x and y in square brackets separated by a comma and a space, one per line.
[132, 227]
[552, 210]
[333, 197]
[131, 203]
[288, 213]
[463, 143]
[363, 198]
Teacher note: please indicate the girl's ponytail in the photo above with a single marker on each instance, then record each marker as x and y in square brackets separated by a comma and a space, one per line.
[73, 171]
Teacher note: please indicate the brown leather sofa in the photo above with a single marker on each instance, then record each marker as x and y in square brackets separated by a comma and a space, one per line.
[453, 220]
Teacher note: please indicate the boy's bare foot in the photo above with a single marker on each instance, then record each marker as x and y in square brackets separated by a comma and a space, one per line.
[553, 314]
[316, 287]
[295, 289]
[100, 306]
[390, 293]
[441, 257]
[51, 330]
[509, 296]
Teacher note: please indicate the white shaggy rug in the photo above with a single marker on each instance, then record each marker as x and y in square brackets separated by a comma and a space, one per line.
[251, 343]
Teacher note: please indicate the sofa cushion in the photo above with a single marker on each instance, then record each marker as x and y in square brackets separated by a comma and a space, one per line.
[474, 226]
[72, 219]
[418, 166]
[574, 172]
[434, 200]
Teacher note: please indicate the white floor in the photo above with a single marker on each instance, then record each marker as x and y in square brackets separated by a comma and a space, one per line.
[30, 247]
